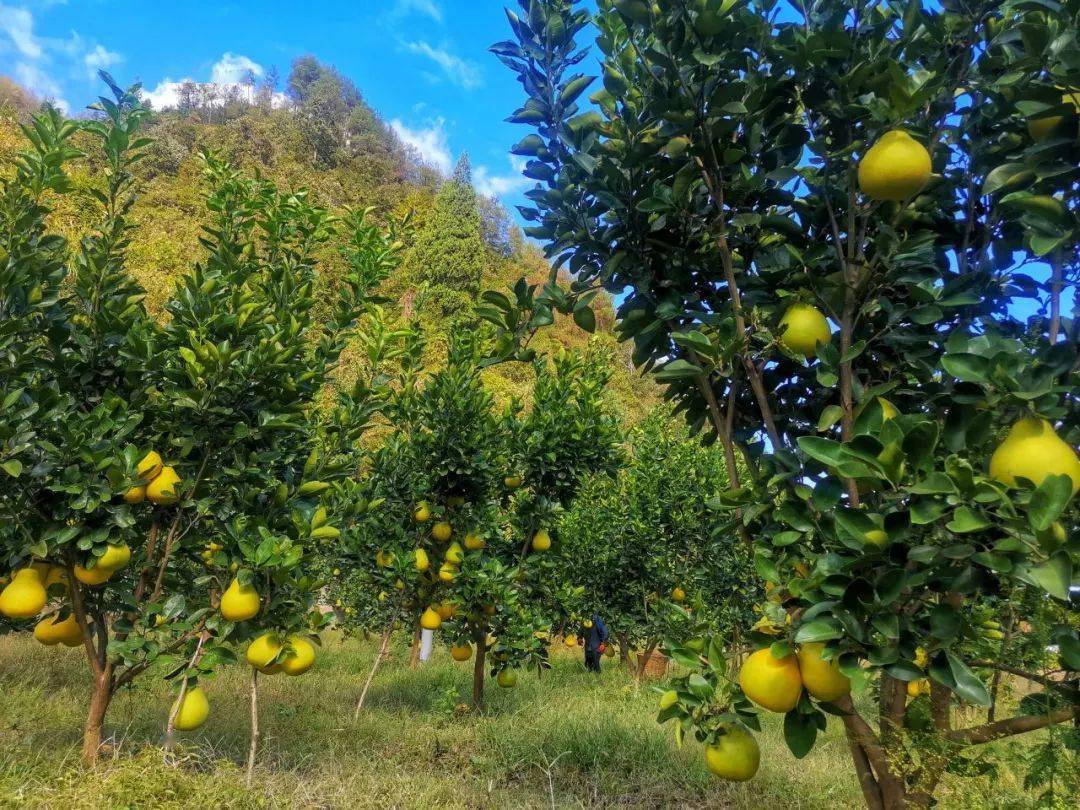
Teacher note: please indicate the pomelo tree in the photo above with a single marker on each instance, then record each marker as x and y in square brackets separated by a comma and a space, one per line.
[463, 500]
[828, 222]
[641, 544]
[164, 480]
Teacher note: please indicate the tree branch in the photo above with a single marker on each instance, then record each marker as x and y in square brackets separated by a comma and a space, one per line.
[978, 735]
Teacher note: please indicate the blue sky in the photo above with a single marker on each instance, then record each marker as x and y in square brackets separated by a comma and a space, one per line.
[423, 64]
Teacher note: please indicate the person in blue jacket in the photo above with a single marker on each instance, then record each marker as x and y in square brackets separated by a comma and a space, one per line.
[596, 636]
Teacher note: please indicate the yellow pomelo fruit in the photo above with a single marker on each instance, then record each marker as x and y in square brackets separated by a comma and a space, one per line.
[513, 481]
[56, 576]
[877, 538]
[803, 327]
[474, 542]
[300, 656]
[571, 641]
[442, 531]
[506, 678]
[50, 632]
[422, 512]
[262, 652]
[822, 679]
[194, 710]
[772, 683]
[162, 490]
[447, 572]
[668, 699]
[93, 576]
[462, 653]
[735, 756]
[430, 619]
[422, 561]
[150, 467]
[678, 594]
[115, 557]
[454, 554]
[1033, 450]
[240, 602]
[446, 611]
[24, 597]
[916, 688]
[384, 559]
[1040, 128]
[541, 541]
[135, 495]
[895, 168]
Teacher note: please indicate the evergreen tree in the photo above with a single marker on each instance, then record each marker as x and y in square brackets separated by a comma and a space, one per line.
[449, 257]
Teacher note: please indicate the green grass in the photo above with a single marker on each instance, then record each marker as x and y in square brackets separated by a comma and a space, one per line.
[565, 738]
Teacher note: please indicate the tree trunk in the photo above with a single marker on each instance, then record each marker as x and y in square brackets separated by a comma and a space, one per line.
[95, 718]
[379, 656]
[624, 650]
[254, 746]
[480, 637]
[414, 657]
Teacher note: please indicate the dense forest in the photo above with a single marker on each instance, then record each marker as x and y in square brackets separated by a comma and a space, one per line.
[320, 135]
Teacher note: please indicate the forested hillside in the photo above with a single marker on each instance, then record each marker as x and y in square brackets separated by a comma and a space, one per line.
[326, 139]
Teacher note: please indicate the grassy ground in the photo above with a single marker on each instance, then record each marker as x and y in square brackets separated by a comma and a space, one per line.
[566, 739]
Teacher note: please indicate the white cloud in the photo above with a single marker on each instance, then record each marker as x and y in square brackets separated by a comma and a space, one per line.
[496, 185]
[428, 7]
[430, 142]
[226, 76]
[17, 24]
[460, 71]
[41, 84]
[233, 68]
[100, 58]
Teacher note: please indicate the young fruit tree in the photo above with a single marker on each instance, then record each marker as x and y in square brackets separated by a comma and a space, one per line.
[845, 235]
[161, 482]
[462, 505]
[641, 544]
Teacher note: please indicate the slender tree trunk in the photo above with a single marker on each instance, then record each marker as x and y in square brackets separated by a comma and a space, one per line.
[479, 667]
[624, 651]
[414, 656]
[374, 668]
[95, 718]
[254, 746]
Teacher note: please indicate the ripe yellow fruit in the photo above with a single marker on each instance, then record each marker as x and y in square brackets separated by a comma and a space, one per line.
[678, 594]
[93, 577]
[299, 656]
[56, 576]
[430, 619]
[455, 554]
[422, 561]
[462, 653]
[135, 495]
[1033, 450]
[262, 652]
[240, 602]
[921, 658]
[442, 531]
[115, 557]
[506, 678]
[162, 490]
[541, 541]
[474, 542]
[772, 683]
[919, 687]
[194, 710]
[384, 559]
[803, 327]
[422, 512]
[67, 632]
[735, 756]
[876, 538]
[513, 481]
[668, 699]
[822, 679]
[150, 467]
[571, 641]
[25, 596]
[1039, 128]
[895, 168]
[447, 572]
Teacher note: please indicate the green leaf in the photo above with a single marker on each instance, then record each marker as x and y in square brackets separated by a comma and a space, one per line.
[968, 686]
[678, 370]
[829, 417]
[12, 467]
[1049, 501]
[1054, 575]
[967, 367]
[800, 732]
[966, 520]
[818, 630]
[585, 318]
